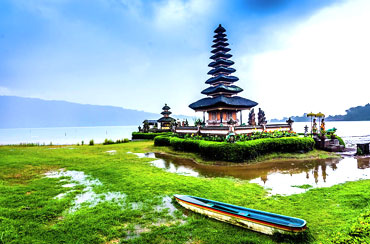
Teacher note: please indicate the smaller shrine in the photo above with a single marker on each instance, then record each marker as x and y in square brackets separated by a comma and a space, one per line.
[166, 121]
[324, 139]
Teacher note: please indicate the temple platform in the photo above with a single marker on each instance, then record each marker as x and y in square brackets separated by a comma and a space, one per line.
[225, 130]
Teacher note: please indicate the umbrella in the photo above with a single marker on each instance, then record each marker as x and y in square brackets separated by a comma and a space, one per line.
[311, 115]
[320, 115]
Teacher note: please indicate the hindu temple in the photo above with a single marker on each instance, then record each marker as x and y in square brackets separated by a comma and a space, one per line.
[222, 103]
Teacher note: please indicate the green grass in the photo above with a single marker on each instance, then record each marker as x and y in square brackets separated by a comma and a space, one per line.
[305, 186]
[29, 213]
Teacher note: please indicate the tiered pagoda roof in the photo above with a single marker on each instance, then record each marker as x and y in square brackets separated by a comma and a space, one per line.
[221, 93]
[166, 114]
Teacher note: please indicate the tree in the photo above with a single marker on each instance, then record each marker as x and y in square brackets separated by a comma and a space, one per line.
[261, 117]
[146, 126]
[252, 118]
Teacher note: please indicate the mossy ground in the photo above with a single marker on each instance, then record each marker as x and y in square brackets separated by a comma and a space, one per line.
[29, 213]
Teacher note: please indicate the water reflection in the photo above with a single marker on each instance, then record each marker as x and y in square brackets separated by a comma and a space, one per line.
[363, 163]
[323, 174]
[280, 176]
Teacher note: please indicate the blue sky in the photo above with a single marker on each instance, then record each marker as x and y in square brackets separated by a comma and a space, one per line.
[291, 56]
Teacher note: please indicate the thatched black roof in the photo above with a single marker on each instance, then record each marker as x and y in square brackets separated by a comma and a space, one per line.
[220, 49]
[166, 107]
[219, 35]
[150, 121]
[223, 101]
[221, 61]
[220, 29]
[226, 78]
[166, 119]
[221, 39]
[221, 69]
[166, 112]
[221, 55]
[222, 88]
[220, 44]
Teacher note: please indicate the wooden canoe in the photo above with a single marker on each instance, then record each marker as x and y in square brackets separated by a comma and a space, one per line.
[264, 222]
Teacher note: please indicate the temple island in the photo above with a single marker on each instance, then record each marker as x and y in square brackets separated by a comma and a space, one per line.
[222, 106]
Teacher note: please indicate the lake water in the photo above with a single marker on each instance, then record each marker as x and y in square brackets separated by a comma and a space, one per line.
[65, 135]
[352, 132]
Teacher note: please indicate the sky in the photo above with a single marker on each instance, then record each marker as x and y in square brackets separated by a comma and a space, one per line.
[291, 56]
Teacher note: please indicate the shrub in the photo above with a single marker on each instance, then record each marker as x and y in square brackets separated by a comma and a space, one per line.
[177, 143]
[148, 136]
[107, 142]
[221, 151]
[91, 143]
[341, 142]
[190, 145]
[359, 152]
[241, 151]
[118, 141]
[162, 141]
[25, 144]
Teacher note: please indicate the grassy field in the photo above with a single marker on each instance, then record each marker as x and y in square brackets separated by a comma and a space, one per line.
[32, 209]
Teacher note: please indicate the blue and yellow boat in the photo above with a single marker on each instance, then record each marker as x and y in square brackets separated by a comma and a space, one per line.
[264, 222]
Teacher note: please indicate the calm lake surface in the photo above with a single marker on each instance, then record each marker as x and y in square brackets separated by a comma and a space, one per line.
[352, 132]
[65, 135]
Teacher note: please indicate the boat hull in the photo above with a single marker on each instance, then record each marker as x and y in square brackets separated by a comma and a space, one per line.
[255, 225]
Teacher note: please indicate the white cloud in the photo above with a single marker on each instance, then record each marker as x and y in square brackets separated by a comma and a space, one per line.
[324, 64]
[174, 13]
[5, 91]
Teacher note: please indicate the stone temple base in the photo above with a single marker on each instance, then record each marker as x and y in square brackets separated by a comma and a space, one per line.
[331, 145]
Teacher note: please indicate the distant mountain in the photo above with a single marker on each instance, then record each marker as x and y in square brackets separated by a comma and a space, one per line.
[359, 113]
[302, 118]
[20, 112]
